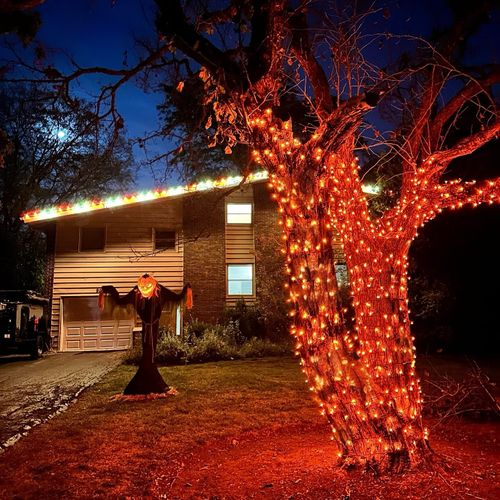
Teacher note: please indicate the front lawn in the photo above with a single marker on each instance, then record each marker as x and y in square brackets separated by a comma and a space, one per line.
[236, 429]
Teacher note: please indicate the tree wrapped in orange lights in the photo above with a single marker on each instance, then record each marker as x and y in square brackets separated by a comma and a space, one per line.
[251, 56]
[363, 376]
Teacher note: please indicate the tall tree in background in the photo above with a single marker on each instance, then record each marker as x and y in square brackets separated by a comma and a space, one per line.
[54, 152]
[249, 56]
[17, 16]
[184, 118]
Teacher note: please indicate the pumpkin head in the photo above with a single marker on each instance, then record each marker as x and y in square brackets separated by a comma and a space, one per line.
[147, 285]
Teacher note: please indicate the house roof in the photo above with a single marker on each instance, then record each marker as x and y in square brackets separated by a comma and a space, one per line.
[120, 200]
[85, 206]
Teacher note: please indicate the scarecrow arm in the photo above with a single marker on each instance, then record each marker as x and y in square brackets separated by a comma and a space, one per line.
[114, 297]
[169, 296]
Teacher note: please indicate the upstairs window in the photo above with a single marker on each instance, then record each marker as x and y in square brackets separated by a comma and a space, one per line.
[92, 239]
[239, 213]
[165, 239]
[240, 279]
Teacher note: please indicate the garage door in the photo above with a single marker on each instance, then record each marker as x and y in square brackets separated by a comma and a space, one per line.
[86, 328]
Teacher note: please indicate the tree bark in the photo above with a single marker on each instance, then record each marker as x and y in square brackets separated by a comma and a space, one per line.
[363, 377]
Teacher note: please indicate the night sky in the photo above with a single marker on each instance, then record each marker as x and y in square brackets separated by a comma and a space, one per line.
[103, 33]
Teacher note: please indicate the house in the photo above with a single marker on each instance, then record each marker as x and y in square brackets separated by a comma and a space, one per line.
[203, 234]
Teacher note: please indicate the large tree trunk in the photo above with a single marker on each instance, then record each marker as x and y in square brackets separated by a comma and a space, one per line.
[391, 393]
[363, 377]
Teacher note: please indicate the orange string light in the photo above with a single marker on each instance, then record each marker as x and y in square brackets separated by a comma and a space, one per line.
[363, 378]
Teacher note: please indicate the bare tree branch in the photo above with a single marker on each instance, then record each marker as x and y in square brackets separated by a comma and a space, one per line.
[472, 88]
[464, 147]
[301, 48]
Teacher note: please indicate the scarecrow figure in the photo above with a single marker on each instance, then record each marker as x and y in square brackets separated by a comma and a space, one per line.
[148, 298]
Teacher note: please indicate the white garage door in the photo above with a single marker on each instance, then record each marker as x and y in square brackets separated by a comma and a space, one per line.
[86, 328]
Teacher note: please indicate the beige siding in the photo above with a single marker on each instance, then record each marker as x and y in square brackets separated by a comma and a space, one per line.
[240, 241]
[127, 255]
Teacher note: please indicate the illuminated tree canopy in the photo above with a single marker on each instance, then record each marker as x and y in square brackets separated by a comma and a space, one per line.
[363, 377]
[250, 57]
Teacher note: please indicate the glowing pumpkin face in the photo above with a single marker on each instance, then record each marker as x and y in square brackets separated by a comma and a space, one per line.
[147, 285]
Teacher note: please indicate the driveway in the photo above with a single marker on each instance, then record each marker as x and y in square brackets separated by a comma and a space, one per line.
[33, 391]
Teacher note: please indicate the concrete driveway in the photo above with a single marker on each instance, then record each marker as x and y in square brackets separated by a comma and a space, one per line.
[33, 391]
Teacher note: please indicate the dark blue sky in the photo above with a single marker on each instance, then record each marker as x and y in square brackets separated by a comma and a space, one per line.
[98, 33]
[101, 32]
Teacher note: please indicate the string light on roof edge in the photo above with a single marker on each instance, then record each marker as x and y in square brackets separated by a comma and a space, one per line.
[80, 207]
[144, 196]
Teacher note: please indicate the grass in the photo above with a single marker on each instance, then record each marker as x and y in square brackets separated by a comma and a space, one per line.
[233, 423]
[213, 398]
[110, 439]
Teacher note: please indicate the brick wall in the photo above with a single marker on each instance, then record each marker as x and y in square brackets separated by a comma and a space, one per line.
[269, 261]
[204, 254]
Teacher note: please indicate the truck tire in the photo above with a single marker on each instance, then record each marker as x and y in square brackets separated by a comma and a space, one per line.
[37, 349]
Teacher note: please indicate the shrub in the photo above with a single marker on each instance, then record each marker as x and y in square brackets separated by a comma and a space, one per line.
[231, 333]
[205, 342]
[258, 348]
[248, 319]
[472, 397]
[211, 347]
[194, 329]
[133, 355]
[171, 349]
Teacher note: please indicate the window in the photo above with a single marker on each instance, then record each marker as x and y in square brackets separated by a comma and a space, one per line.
[92, 238]
[240, 279]
[164, 239]
[25, 316]
[239, 213]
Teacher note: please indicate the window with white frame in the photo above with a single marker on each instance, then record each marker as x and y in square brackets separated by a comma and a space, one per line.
[239, 213]
[240, 279]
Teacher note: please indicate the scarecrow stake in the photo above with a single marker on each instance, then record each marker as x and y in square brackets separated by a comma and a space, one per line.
[148, 298]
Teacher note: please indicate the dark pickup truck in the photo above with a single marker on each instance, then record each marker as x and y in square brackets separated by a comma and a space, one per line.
[24, 325]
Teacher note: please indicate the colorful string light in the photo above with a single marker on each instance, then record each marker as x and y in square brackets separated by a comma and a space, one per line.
[52, 212]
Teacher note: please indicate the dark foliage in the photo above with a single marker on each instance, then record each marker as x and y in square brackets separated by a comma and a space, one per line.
[183, 115]
[53, 152]
[249, 320]
[17, 16]
[454, 271]
[210, 343]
